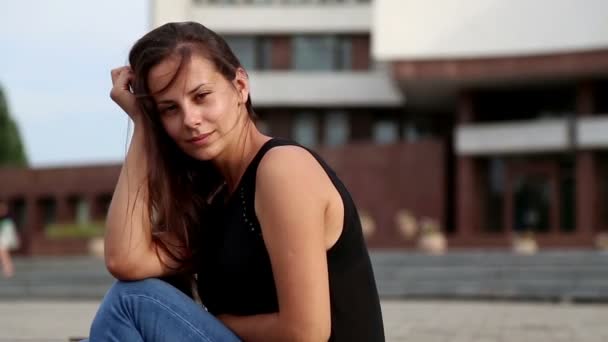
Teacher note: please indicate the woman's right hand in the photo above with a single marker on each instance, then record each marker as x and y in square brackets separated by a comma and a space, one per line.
[121, 91]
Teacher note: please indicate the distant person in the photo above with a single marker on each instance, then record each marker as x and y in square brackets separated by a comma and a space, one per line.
[262, 226]
[8, 240]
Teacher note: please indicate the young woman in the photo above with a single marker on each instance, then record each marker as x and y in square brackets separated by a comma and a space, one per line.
[8, 240]
[264, 227]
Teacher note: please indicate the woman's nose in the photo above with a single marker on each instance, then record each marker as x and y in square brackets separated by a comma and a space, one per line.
[192, 117]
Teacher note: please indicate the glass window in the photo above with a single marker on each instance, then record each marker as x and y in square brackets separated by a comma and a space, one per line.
[18, 210]
[344, 57]
[410, 132]
[313, 52]
[48, 210]
[264, 58]
[494, 195]
[532, 201]
[305, 129]
[567, 196]
[82, 211]
[601, 97]
[336, 128]
[244, 47]
[385, 131]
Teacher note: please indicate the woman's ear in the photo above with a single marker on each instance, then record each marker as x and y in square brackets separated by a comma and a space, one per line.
[241, 83]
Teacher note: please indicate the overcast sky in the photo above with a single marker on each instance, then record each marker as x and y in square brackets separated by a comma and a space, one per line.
[55, 70]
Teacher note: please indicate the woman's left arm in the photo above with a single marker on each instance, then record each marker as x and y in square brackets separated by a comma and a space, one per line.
[291, 199]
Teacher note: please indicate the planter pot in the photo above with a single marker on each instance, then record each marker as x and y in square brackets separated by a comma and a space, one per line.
[525, 245]
[601, 241]
[433, 243]
[96, 247]
[406, 224]
[367, 224]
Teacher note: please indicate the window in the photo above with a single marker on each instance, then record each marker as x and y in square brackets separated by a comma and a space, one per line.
[410, 133]
[385, 131]
[525, 103]
[494, 192]
[601, 97]
[264, 53]
[18, 209]
[567, 188]
[336, 128]
[322, 53]
[47, 207]
[83, 212]
[305, 129]
[308, 52]
[344, 54]
[244, 47]
[253, 52]
[313, 53]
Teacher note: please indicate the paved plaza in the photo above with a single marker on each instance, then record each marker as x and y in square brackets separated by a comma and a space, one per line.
[420, 321]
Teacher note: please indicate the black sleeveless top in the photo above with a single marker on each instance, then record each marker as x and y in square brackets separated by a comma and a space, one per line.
[235, 275]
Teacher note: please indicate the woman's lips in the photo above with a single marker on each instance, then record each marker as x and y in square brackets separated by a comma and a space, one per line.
[200, 139]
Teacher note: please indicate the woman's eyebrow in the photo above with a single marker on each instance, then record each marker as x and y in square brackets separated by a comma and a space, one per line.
[195, 89]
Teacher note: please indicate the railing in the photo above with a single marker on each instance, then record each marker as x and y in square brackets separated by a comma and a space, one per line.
[280, 2]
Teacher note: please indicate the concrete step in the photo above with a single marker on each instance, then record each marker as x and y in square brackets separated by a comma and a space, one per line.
[557, 275]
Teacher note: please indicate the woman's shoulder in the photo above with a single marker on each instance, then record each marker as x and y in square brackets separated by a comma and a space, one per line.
[290, 164]
[291, 159]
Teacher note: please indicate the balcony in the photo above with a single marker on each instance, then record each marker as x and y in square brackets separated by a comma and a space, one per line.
[592, 132]
[268, 17]
[533, 136]
[315, 89]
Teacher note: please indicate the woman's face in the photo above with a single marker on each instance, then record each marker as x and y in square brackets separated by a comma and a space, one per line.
[201, 110]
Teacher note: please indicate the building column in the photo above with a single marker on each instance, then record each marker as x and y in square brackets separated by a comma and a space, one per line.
[280, 122]
[281, 53]
[587, 182]
[361, 53]
[96, 210]
[64, 211]
[31, 225]
[467, 190]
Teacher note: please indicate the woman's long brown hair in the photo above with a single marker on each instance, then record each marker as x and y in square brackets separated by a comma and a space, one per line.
[179, 186]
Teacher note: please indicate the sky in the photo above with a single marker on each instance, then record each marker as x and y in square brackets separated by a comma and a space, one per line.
[55, 64]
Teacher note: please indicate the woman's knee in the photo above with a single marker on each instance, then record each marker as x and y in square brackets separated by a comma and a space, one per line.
[118, 301]
[121, 289]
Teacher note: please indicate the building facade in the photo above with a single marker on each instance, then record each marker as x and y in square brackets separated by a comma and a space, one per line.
[482, 119]
[527, 85]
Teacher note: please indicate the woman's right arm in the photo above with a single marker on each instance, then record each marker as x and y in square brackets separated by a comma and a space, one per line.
[130, 253]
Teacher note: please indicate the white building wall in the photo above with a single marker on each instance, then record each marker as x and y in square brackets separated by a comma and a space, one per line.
[436, 29]
[264, 19]
[514, 137]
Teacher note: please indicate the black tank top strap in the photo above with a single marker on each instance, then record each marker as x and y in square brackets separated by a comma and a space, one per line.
[251, 171]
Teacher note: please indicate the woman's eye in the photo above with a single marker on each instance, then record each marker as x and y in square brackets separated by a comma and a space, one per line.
[168, 109]
[201, 96]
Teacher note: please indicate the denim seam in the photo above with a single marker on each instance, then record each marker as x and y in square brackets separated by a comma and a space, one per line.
[171, 311]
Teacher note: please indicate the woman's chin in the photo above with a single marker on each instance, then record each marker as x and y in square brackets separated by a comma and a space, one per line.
[203, 154]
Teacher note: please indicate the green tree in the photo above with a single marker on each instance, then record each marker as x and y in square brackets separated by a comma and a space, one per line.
[11, 148]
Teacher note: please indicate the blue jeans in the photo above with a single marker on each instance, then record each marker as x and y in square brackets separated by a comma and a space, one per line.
[151, 310]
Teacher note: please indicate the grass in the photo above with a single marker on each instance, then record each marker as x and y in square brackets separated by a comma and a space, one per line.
[75, 230]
